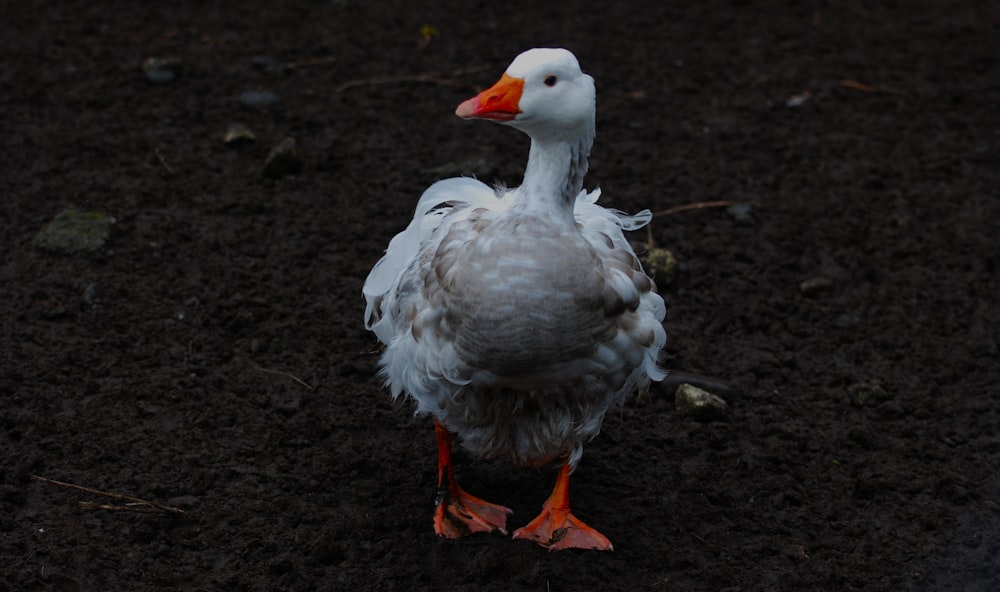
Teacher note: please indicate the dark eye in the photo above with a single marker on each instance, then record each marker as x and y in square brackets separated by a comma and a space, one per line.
[551, 80]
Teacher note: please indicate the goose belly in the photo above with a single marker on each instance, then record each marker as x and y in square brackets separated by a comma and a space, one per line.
[519, 315]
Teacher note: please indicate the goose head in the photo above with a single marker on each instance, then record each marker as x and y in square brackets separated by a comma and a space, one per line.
[543, 93]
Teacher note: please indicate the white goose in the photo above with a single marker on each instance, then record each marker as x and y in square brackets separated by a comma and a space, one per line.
[517, 318]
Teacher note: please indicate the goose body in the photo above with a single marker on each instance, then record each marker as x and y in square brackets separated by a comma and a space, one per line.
[517, 318]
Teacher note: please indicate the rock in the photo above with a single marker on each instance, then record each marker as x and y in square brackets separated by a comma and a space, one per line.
[238, 133]
[161, 70]
[75, 231]
[861, 393]
[283, 160]
[848, 319]
[259, 99]
[184, 501]
[708, 383]
[660, 265]
[813, 286]
[92, 293]
[740, 212]
[699, 404]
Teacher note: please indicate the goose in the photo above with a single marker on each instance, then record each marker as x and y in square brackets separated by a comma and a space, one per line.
[517, 317]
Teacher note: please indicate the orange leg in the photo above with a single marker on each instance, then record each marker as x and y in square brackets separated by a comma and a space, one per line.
[556, 528]
[458, 513]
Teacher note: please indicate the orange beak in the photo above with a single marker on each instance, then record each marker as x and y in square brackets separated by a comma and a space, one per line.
[499, 102]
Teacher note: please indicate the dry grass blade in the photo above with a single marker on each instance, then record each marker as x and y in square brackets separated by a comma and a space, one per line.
[137, 508]
[135, 504]
[872, 88]
[281, 373]
[158, 152]
[700, 205]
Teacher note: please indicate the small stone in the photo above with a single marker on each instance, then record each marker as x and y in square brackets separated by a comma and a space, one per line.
[799, 99]
[92, 293]
[699, 404]
[160, 76]
[283, 160]
[847, 320]
[813, 286]
[74, 231]
[660, 264]
[184, 501]
[259, 99]
[740, 212]
[708, 383]
[161, 70]
[861, 393]
[238, 133]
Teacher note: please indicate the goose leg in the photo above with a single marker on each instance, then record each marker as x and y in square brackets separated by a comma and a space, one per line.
[458, 513]
[556, 528]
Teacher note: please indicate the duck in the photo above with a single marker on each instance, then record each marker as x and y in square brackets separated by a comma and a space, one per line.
[517, 317]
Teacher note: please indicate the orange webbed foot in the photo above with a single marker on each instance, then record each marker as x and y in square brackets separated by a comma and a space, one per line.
[556, 528]
[459, 513]
[559, 529]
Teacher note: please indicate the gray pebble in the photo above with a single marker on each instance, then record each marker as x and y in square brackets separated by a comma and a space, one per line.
[847, 319]
[259, 99]
[160, 76]
[740, 212]
[184, 501]
[161, 70]
[92, 293]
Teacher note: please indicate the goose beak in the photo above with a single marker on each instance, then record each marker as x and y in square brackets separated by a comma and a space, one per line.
[498, 103]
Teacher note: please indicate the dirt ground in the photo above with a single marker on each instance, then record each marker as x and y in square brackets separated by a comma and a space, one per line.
[211, 357]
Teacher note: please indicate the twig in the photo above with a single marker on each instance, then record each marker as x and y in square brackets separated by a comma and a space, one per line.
[137, 508]
[871, 88]
[423, 77]
[694, 206]
[149, 506]
[163, 161]
[281, 373]
[685, 208]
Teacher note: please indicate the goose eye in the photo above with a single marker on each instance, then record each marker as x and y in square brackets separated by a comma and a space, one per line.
[551, 80]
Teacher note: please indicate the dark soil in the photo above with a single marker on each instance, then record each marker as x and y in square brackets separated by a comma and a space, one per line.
[212, 356]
